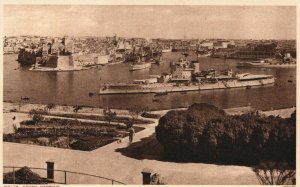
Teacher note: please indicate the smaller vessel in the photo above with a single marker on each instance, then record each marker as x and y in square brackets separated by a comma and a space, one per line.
[203, 53]
[270, 63]
[166, 50]
[25, 98]
[140, 65]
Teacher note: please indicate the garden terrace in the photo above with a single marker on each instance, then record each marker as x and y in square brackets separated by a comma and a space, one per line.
[64, 133]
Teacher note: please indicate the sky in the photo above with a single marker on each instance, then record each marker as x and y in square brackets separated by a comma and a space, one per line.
[231, 22]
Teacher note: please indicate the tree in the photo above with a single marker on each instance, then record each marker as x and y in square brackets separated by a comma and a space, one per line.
[67, 124]
[271, 173]
[109, 115]
[135, 111]
[205, 133]
[282, 54]
[22, 101]
[49, 107]
[77, 108]
[37, 115]
[23, 176]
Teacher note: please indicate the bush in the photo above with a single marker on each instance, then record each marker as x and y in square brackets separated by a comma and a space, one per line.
[89, 143]
[23, 176]
[13, 110]
[76, 108]
[149, 115]
[28, 122]
[37, 115]
[205, 133]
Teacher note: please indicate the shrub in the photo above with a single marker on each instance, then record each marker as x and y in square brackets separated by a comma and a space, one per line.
[77, 108]
[49, 107]
[43, 141]
[149, 115]
[23, 176]
[205, 133]
[109, 115]
[135, 111]
[37, 115]
[88, 144]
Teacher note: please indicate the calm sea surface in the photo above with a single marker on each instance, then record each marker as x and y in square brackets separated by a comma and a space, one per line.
[72, 88]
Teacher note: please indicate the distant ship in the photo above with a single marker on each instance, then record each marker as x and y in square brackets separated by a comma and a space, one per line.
[144, 65]
[203, 53]
[166, 50]
[265, 63]
[140, 65]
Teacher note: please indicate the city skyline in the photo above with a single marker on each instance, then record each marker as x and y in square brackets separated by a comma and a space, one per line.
[172, 22]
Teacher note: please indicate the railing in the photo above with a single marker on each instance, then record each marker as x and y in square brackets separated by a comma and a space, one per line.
[64, 176]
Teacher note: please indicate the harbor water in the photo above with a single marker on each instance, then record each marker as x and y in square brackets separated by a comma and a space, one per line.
[73, 88]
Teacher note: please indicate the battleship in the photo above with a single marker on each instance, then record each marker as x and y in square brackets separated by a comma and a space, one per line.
[241, 80]
[185, 77]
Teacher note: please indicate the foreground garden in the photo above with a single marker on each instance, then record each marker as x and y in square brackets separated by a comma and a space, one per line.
[68, 133]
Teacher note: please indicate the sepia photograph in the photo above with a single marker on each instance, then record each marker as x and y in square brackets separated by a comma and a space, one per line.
[149, 94]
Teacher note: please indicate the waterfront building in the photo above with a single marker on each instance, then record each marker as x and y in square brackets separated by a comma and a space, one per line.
[207, 44]
[101, 59]
[8, 50]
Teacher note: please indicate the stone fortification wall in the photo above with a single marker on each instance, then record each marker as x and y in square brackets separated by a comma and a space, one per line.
[65, 62]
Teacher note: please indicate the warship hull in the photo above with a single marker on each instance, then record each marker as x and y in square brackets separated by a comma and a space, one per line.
[171, 87]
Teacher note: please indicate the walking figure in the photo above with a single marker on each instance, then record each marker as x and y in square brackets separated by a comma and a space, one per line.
[131, 133]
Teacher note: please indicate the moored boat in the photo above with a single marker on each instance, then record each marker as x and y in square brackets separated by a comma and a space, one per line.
[271, 63]
[166, 50]
[140, 66]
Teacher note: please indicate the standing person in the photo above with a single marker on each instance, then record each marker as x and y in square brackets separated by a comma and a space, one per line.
[131, 133]
[16, 124]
